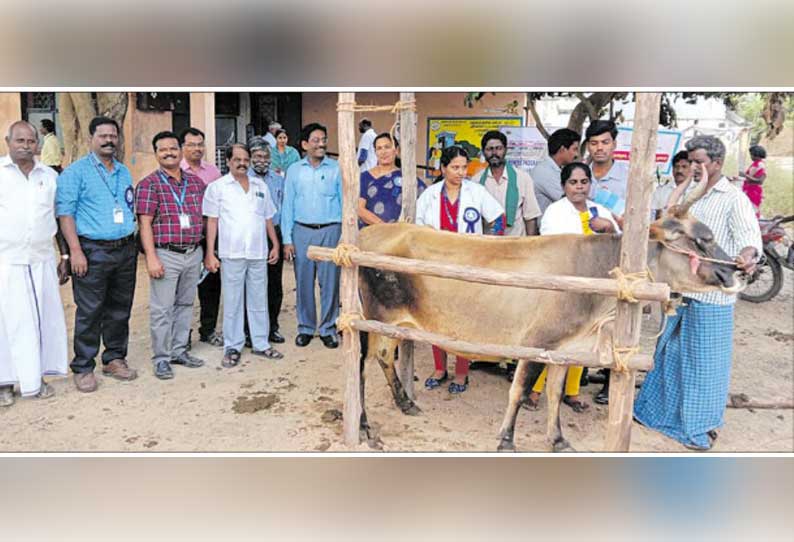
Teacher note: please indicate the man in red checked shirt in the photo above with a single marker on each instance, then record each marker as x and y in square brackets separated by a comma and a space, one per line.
[168, 203]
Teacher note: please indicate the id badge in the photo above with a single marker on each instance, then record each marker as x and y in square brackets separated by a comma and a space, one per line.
[184, 221]
[118, 216]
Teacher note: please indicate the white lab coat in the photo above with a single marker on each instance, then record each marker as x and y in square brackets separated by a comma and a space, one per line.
[475, 204]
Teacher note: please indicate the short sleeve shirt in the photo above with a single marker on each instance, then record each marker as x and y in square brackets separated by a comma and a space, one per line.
[158, 195]
[242, 216]
[384, 195]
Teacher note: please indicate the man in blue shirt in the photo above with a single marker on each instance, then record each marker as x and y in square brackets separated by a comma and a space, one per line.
[312, 215]
[95, 207]
[260, 168]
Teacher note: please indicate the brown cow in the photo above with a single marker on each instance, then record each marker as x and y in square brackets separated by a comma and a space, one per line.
[539, 318]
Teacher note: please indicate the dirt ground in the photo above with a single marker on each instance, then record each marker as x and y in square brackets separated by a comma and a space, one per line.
[290, 405]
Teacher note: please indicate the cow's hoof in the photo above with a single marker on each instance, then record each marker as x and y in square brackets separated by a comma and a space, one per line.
[562, 445]
[506, 446]
[412, 410]
[375, 443]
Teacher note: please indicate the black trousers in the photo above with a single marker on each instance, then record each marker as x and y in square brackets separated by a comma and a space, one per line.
[104, 301]
[275, 290]
[209, 294]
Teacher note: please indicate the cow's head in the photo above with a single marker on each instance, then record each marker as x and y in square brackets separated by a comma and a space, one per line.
[683, 242]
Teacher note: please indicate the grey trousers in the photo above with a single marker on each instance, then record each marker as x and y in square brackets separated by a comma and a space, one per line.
[171, 303]
[240, 276]
[327, 275]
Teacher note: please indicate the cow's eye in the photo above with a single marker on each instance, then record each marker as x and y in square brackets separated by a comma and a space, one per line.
[703, 243]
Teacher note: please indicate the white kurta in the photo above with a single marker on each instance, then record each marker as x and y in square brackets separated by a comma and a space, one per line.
[475, 204]
[32, 324]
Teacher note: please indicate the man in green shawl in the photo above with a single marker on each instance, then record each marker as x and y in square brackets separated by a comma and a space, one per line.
[512, 187]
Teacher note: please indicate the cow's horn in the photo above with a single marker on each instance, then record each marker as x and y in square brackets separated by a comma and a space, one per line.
[696, 192]
[677, 192]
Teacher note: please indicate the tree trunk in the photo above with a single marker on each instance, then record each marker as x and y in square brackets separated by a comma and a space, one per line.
[774, 114]
[77, 109]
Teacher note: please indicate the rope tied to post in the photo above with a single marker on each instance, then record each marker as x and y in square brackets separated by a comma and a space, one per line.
[622, 355]
[341, 255]
[406, 105]
[628, 281]
[345, 321]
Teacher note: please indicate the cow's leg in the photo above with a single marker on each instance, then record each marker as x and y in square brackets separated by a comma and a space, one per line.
[517, 393]
[365, 430]
[382, 348]
[554, 391]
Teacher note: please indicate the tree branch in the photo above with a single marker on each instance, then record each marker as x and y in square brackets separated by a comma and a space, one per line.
[536, 117]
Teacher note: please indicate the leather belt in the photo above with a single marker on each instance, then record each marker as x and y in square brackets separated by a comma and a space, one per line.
[113, 243]
[179, 249]
[317, 226]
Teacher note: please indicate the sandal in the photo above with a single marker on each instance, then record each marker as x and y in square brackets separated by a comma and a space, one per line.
[45, 391]
[270, 353]
[455, 388]
[214, 339]
[712, 435]
[231, 358]
[530, 404]
[577, 405]
[432, 383]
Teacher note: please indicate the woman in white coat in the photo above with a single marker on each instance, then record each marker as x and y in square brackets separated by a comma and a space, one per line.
[455, 204]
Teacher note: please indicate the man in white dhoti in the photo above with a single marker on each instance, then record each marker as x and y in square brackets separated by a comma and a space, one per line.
[32, 325]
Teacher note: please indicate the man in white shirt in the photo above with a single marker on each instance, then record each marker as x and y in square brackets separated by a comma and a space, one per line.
[681, 171]
[270, 136]
[240, 211]
[366, 146]
[32, 325]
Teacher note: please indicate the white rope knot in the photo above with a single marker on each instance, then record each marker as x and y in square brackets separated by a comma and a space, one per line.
[627, 282]
[342, 253]
[345, 321]
[622, 355]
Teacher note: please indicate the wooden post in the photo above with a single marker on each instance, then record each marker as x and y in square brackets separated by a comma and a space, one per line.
[633, 258]
[405, 363]
[348, 289]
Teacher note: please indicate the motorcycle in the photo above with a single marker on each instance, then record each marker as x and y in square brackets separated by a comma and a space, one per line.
[767, 280]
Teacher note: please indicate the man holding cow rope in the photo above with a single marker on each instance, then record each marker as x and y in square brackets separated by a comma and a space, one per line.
[684, 395]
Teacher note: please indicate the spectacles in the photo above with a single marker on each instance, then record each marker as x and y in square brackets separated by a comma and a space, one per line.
[574, 182]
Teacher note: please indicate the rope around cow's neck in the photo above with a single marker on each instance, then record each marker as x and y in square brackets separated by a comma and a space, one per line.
[692, 253]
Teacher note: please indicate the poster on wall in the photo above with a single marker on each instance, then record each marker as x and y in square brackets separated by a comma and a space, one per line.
[667, 143]
[526, 146]
[466, 132]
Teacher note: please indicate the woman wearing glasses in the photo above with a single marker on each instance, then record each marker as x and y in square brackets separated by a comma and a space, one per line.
[573, 213]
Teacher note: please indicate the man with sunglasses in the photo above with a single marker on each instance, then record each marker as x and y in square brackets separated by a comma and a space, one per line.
[312, 215]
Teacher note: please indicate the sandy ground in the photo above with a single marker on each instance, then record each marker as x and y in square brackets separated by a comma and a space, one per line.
[288, 405]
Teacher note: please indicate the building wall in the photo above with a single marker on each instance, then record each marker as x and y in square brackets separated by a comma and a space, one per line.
[321, 107]
[139, 129]
[10, 112]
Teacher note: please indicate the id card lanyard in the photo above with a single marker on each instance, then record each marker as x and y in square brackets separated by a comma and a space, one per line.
[118, 213]
[184, 218]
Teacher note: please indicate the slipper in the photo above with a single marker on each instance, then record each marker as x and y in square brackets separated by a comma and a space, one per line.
[577, 405]
[455, 388]
[270, 353]
[530, 404]
[712, 435]
[432, 383]
[231, 358]
[45, 392]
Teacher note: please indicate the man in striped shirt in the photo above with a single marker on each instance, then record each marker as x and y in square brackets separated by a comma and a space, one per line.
[684, 396]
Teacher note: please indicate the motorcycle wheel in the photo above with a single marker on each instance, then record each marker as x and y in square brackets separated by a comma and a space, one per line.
[765, 283]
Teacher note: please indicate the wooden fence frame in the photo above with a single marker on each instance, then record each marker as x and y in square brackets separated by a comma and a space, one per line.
[633, 258]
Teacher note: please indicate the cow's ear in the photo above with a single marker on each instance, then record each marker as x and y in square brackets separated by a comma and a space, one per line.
[656, 232]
